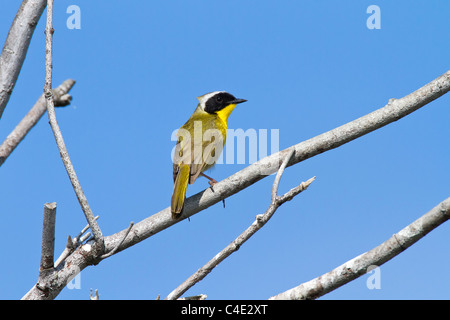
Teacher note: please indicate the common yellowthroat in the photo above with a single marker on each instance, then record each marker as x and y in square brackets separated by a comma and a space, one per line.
[200, 143]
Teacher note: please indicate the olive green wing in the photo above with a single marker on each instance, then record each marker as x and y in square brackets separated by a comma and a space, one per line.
[188, 152]
[197, 165]
[211, 148]
[181, 154]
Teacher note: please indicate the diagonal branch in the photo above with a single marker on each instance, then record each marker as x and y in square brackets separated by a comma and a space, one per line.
[113, 251]
[61, 98]
[377, 256]
[73, 243]
[16, 46]
[57, 132]
[393, 111]
[260, 221]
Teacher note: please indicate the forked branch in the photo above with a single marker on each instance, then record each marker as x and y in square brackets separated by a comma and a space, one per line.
[58, 136]
[393, 111]
[259, 222]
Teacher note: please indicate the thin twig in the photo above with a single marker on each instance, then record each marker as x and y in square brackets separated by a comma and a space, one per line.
[80, 238]
[94, 297]
[376, 257]
[113, 251]
[58, 136]
[84, 238]
[162, 220]
[67, 251]
[280, 173]
[393, 111]
[72, 243]
[259, 222]
[61, 98]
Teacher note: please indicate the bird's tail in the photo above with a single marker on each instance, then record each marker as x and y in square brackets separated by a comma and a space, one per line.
[179, 191]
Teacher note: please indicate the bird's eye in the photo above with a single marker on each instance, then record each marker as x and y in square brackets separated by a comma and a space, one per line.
[219, 99]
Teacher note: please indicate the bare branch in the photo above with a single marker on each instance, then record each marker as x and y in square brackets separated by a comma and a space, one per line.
[48, 236]
[48, 248]
[94, 297]
[197, 297]
[106, 255]
[393, 111]
[32, 117]
[72, 243]
[67, 251]
[260, 221]
[16, 46]
[80, 238]
[58, 136]
[376, 257]
[280, 172]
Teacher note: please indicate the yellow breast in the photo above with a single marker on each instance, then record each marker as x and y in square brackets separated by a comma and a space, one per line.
[225, 113]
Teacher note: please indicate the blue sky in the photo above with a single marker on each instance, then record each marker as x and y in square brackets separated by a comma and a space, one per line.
[305, 67]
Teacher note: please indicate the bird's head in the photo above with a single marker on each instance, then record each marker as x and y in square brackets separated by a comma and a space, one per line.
[217, 101]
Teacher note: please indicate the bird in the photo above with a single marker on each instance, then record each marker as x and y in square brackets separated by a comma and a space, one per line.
[199, 143]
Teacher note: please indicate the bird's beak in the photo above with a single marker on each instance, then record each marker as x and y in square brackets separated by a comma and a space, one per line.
[236, 101]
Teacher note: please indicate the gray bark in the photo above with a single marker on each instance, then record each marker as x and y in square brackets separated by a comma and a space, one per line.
[32, 117]
[84, 256]
[16, 46]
